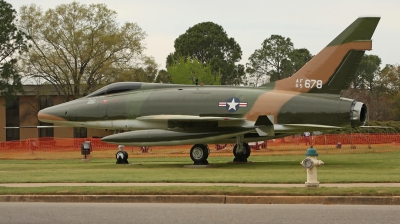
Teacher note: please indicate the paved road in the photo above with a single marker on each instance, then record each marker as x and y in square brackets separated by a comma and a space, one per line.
[196, 184]
[194, 213]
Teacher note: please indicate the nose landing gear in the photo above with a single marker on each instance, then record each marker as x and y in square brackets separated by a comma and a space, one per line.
[121, 156]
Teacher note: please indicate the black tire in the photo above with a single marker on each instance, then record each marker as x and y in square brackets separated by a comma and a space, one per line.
[122, 157]
[199, 153]
[241, 155]
[126, 155]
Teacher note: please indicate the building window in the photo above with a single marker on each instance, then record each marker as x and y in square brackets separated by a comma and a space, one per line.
[12, 134]
[12, 120]
[45, 132]
[80, 132]
[44, 102]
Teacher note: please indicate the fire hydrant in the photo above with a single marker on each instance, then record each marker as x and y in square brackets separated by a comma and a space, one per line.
[311, 163]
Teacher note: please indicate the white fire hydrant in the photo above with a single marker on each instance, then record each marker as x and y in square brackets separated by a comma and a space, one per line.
[311, 163]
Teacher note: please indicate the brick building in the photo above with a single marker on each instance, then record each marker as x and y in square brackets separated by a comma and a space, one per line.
[24, 111]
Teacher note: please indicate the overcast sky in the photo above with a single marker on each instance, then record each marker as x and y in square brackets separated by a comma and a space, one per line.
[310, 24]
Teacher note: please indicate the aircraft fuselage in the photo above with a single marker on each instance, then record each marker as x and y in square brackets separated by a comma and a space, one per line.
[120, 110]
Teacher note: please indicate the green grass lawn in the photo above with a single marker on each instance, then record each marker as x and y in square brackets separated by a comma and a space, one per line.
[383, 167]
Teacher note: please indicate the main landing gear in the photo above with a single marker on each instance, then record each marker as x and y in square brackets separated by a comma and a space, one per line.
[241, 152]
[199, 152]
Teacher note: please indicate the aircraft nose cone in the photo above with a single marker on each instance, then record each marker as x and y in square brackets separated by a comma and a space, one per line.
[45, 115]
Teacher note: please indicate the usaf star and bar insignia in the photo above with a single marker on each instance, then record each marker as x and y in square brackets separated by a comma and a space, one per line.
[232, 104]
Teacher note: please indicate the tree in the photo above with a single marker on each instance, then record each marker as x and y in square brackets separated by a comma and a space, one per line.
[80, 46]
[390, 79]
[276, 50]
[383, 95]
[367, 72]
[276, 59]
[237, 73]
[271, 58]
[298, 58]
[380, 106]
[146, 73]
[163, 77]
[210, 45]
[258, 68]
[390, 82]
[192, 71]
[12, 43]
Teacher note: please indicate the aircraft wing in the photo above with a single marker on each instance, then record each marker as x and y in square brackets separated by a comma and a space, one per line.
[184, 129]
[181, 130]
[298, 128]
[262, 122]
[165, 118]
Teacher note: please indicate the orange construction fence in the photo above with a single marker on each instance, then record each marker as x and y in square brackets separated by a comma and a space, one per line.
[61, 148]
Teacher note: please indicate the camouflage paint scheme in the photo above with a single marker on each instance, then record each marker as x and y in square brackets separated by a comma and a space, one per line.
[168, 114]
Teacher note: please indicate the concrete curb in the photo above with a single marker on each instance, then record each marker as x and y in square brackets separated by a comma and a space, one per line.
[214, 199]
[348, 200]
[217, 199]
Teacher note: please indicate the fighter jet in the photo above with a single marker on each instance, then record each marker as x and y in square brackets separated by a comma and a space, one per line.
[154, 114]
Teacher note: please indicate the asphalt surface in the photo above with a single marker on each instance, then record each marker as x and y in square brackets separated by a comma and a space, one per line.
[194, 213]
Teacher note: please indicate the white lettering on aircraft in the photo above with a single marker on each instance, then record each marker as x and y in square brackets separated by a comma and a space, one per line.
[308, 83]
[91, 101]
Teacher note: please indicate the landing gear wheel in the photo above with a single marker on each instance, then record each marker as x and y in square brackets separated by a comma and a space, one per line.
[199, 154]
[122, 157]
[242, 155]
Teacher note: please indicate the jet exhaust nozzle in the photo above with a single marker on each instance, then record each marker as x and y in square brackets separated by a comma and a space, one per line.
[358, 114]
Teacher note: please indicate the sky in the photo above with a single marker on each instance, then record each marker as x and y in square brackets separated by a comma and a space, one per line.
[310, 24]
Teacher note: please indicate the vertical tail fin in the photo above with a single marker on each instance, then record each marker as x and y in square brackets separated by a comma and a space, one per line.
[333, 68]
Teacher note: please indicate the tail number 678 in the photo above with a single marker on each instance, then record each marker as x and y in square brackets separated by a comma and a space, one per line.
[311, 83]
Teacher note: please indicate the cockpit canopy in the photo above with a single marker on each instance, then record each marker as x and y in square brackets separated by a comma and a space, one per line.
[114, 88]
